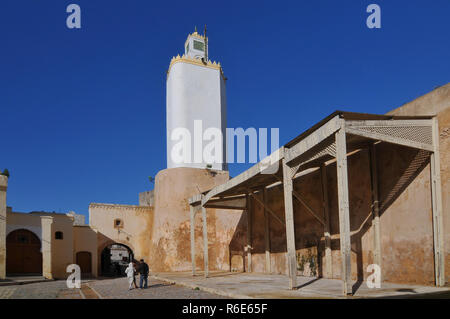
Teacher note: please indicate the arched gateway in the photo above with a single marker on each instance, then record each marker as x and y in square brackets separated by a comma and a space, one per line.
[23, 253]
[114, 259]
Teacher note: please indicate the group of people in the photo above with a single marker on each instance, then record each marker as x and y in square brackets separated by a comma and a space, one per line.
[142, 269]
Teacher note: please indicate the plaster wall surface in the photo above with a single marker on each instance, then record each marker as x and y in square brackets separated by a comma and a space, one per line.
[85, 240]
[147, 198]
[437, 102]
[195, 92]
[170, 240]
[62, 249]
[135, 232]
[56, 254]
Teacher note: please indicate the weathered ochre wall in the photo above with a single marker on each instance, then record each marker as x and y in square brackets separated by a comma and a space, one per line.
[62, 249]
[56, 254]
[170, 240]
[437, 102]
[85, 239]
[136, 231]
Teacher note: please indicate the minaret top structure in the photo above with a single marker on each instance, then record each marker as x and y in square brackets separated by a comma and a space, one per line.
[196, 45]
[196, 52]
[195, 100]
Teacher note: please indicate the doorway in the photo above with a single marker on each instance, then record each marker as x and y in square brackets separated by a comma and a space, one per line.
[115, 259]
[23, 253]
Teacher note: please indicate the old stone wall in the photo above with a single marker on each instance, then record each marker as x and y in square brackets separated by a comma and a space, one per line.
[437, 102]
[147, 198]
[170, 240]
[135, 231]
[85, 240]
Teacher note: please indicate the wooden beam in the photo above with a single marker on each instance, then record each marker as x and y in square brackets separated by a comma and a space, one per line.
[375, 206]
[300, 199]
[436, 198]
[316, 137]
[249, 234]
[224, 207]
[290, 228]
[308, 208]
[344, 212]
[256, 169]
[192, 211]
[267, 208]
[389, 123]
[266, 232]
[205, 241]
[326, 225]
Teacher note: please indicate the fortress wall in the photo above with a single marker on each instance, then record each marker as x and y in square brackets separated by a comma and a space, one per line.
[169, 249]
[437, 102]
[135, 233]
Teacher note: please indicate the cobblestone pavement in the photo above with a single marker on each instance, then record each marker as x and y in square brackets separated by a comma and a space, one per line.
[106, 288]
[118, 288]
[41, 290]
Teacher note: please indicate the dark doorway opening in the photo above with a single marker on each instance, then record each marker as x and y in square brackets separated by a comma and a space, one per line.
[115, 259]
[84, 260]
[23, 253]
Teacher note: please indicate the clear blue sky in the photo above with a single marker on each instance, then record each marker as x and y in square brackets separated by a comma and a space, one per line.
[83, 111]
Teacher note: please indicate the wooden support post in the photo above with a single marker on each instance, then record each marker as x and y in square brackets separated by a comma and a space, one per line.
[436, 198]
[344, 212]
[266, 232]
[326, 226]
[375, 207]
[205, 241]
[192, 210]
[290, 228]
[249, 233]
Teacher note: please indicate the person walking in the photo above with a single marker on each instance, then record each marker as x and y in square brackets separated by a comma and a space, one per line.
[136, 269]
[130, 275]
[143, 271]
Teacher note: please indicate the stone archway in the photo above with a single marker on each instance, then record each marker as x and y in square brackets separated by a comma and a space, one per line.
[114, 258]
[23, 253]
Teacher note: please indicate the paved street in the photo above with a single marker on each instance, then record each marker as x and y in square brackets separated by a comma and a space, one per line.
[42, 290]
[106, 288]
[118, 288]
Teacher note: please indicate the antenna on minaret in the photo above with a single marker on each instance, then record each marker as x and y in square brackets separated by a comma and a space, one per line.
[206, 46]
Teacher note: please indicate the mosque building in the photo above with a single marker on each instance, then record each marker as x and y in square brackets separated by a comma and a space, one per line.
[353, 190]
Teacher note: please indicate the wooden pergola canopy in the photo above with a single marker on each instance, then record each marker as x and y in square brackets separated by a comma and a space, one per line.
[331, 139]
[317, 145]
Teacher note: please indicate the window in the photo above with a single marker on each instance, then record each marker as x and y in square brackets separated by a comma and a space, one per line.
[59, 235]
[199, 45]
[118, 223]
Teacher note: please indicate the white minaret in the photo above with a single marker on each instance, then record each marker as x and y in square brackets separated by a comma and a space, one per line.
[196, 106]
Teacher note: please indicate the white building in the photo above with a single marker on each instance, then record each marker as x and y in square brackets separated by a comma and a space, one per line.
[196, 108]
